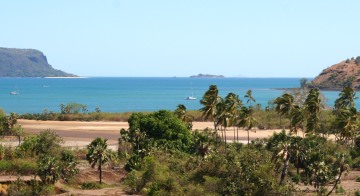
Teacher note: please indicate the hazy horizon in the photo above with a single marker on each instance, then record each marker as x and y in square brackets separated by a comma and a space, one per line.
[127, 38]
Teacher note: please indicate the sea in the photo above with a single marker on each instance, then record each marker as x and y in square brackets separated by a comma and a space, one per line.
[134, 94]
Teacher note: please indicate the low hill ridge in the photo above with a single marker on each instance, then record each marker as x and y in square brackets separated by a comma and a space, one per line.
[27, 63]
[345, 73]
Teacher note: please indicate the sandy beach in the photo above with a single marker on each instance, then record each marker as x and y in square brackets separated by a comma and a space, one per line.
[79, 134]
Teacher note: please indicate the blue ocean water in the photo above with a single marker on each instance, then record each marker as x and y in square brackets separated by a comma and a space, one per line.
[132, 94]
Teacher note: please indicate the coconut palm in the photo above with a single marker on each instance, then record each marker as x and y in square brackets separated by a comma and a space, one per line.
[296, 118]
[347, 122]
[247, 120]
[313, 106]
[347, 119]
[346, 99]
[233, 106]
[285, 105]
[210, 100]
[247, 114]
[180, 112]
[249, 97]
[98, 154]
[222, 118]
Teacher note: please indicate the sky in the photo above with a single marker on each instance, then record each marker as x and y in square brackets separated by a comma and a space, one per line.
[166, 38]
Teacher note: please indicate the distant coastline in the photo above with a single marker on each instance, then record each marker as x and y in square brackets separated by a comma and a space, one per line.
[207, 76]
[68, 77]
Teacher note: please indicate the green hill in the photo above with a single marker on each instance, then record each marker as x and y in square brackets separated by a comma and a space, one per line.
[27, 63]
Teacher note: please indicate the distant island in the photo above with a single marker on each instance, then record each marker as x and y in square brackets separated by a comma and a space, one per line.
[27, 63]
[207, 76]
[335, 77]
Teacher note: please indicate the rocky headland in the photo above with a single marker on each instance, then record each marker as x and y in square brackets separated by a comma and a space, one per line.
[335, 77]
[27, 63]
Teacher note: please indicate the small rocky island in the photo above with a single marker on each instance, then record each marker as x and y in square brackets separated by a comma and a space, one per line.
[27, 63]
[345, 73]
[207, 76]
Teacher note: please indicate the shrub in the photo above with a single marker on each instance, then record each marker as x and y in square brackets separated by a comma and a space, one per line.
[356, 162]
[340, 189]
[357, 179]
[2, 152]
[24, 166]
[357, 193]
[90, 186]
[296, 178]
[5, 166]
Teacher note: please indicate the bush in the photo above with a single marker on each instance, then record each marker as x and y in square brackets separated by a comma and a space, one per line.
[340, 189]
[357, 193]
[18, 166]
[5, 166]
[296, 178]
[356, 162]
[24, 166]
[90, 186]
[357, 179]
[33, 187]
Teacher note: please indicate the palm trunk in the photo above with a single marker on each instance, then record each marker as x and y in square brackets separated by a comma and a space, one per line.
[284, 170]
[100, 173]
[248, 136]
[237, 134]
[234, 135]
[222, 134]
[297, 165]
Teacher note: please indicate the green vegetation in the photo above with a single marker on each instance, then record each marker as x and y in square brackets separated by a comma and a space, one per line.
[26, 63]
[76, 112]
[162, 155]
[41, 156]
[98, 154]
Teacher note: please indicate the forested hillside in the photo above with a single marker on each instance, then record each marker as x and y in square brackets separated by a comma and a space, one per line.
[27, 63]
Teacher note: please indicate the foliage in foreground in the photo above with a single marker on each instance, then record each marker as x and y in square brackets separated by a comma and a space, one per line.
[232, 173]
[40, 156]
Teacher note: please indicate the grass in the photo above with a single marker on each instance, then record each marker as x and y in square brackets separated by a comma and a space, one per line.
[18, 166]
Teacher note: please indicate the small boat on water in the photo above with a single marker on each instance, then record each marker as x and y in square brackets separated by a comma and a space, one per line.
[14, 93]
[190, 98]
[192, 95]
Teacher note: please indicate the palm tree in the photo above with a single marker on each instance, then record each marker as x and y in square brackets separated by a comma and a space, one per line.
[222, 118]
[347, 119]
[346, 99]
[249, 97]
[210, 100]
[247, 120]
[98, 154]
[247, 114]
[296, 118]
[180, 112]
[233, 106]
[285, 105]
[313, 106]
[347, 122]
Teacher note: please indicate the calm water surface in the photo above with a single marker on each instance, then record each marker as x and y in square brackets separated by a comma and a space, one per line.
[132, 94]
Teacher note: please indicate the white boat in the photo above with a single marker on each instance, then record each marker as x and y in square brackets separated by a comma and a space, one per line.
[14, 93]
[190, 98]
[192, 95]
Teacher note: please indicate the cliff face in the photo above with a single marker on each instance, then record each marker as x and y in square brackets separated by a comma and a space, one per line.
[339, 75]
[26, 63]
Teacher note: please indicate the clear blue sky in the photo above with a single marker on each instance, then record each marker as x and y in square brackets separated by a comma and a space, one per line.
[277, 38]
